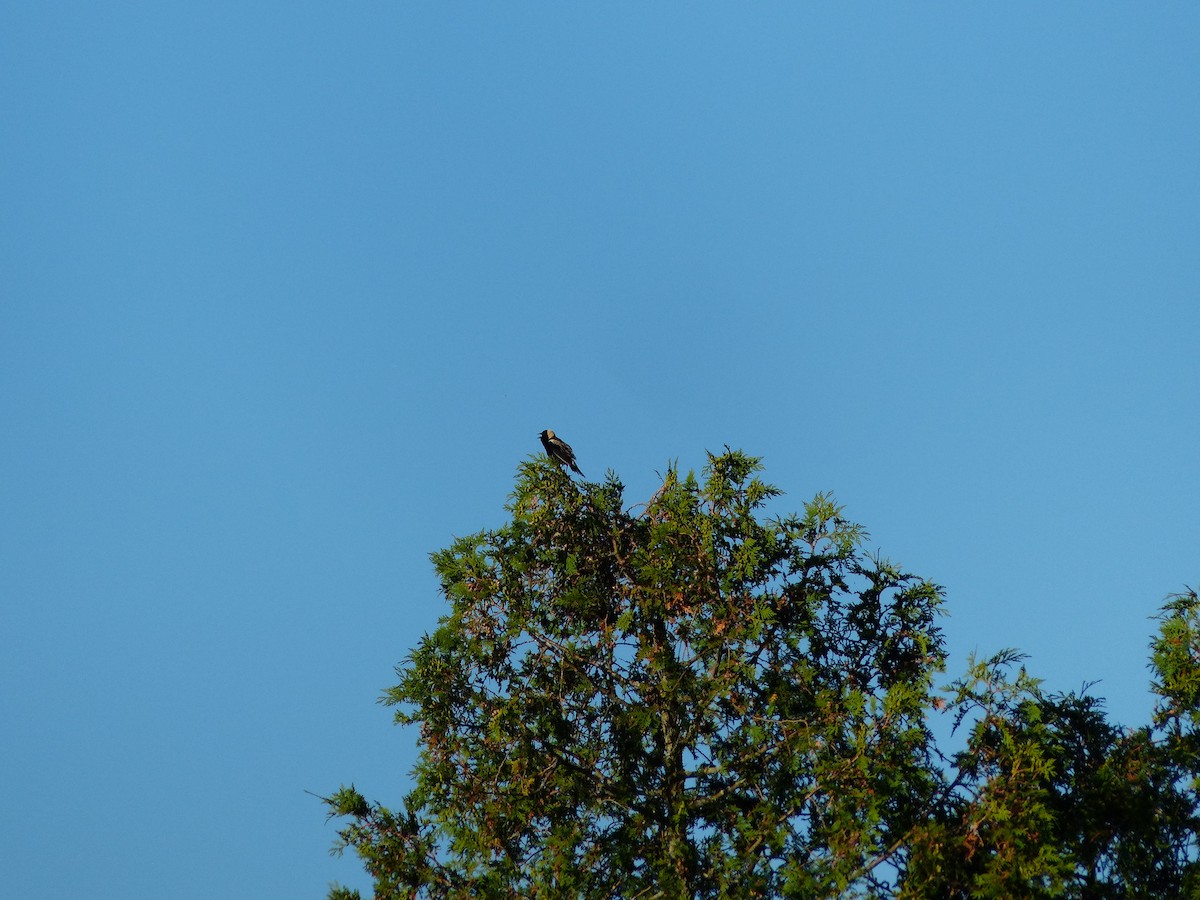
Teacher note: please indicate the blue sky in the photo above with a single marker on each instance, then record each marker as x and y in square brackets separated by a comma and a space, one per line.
[287, 291]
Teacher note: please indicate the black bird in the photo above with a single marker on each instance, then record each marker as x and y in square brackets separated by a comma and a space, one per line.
[559, 450]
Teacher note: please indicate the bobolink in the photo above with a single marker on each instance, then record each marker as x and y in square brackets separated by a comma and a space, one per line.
[559, 450]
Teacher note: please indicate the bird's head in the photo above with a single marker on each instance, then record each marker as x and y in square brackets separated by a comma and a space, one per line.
[547, 435]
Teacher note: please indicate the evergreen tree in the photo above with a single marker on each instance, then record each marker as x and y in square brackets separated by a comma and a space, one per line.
[691, 699]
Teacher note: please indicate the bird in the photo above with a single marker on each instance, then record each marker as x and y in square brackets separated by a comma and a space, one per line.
[559, 450]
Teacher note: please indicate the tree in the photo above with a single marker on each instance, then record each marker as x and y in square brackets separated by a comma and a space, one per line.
[691, 699]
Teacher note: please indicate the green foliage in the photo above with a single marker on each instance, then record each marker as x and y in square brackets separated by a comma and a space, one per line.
[692, 699]
[1052, 800]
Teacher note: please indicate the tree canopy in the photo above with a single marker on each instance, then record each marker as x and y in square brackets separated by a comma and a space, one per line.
[690, 698]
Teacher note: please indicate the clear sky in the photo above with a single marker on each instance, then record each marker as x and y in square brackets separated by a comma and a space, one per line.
[287, 291]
